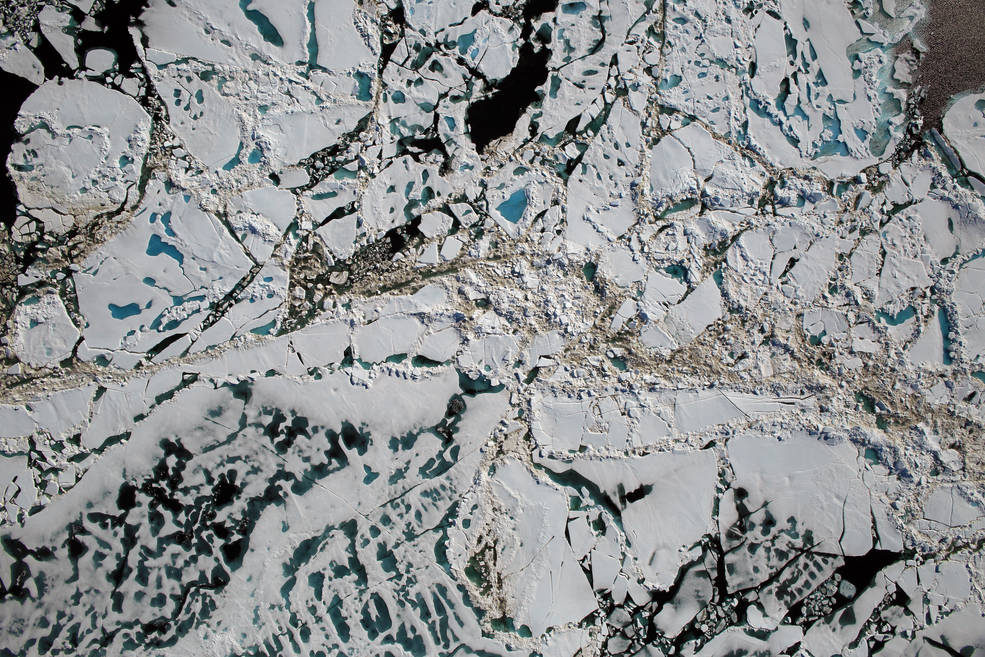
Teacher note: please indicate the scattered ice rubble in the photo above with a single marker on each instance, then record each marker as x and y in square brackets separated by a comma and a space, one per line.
[683, 361]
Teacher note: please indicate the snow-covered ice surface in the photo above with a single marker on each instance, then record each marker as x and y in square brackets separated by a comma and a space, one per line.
[430, 327]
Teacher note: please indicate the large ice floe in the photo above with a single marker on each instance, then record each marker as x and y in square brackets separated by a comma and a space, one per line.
[427, 327]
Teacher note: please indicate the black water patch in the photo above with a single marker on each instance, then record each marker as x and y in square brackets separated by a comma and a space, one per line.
[76, 548]
[233, 551]
[114, 20]
[164, 344]
[16, 90]
[224, 490]
[535, 8]
[283, 437]
[635, 495]
[477, 386]
[126, 498]
[456, 406]
[496, 115]
[51, 62]
[420, 146]
[860, 571]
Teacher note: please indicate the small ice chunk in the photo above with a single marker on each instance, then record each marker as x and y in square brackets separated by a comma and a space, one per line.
[948, 580]
[434, 224]
[619, 264]
[429, 256]
[559, 422]
[671, 169]
[625, 312]
[771, 56]
[424, 300]
[260, 216]
[320, 344]
[396, 334]
[661, 291]
[865, 339]
[62, 411]
[57, 26]
[100, 60]
[936, 216]
[341, 45]
[18, 59]
[811, 273]
[696, 410]
[339, 236]
[441, 345]
[825, 325]
[450, 248]
[15, 422]
[292, 177]
[43, 334]
[545, 344]
[580, 535]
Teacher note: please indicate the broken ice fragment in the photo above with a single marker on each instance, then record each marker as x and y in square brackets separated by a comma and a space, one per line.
[827, 501]
[971, 306]
[195, 262]
[43, 333]
[689, 318]
[321, 344]
[696, 410]
[17, 59]
[948, 506]
[81, 150]
[16, 484]
[964, 126]
[387, 336]
[538, 569]
[928, 349]
[665, 501]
